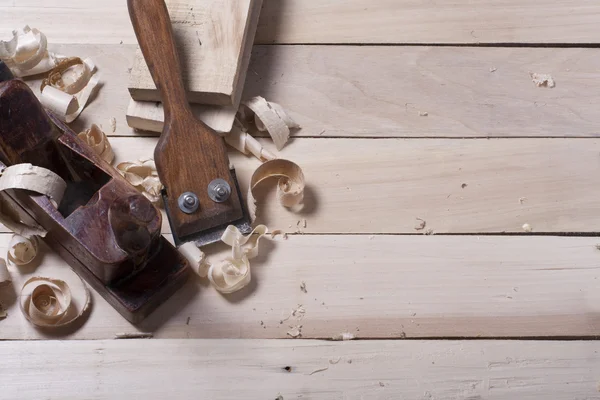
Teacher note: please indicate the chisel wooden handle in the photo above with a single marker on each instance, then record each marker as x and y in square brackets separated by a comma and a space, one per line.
[152, 26]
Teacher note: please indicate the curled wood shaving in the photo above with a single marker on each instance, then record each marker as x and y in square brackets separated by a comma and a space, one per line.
[97, 140]
[144, 177]
[542, 80]
[69, 87]
[233, 273]
[22, 250]
[5, 278]
[290, 186]
[26, 53]
[527, 228]
[319, 370]
[33, 178]
[270, 117]
[196, 258]
[47, 302]
[295, 331]
[242, 141]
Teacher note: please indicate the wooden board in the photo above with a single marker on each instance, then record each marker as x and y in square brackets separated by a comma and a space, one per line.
[149, 116]
[384, 185]
[213, 40]
[255, 369]
[339, 21]
[370, 286]
[457, 90]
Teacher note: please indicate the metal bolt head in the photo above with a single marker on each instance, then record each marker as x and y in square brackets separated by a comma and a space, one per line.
[219, 190]
[188, 202]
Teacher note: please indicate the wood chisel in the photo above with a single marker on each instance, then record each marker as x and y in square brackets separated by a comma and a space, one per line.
[201, 193]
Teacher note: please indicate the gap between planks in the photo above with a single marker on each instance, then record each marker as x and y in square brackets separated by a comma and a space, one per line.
[230, 369]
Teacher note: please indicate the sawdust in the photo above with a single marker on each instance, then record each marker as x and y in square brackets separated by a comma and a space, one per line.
[344, 336]
[303, 287]
[542, 80]
[295, 331]
[429, 231]
[420, 225]
[597, 247]
[280, 397]
[134, 335]
[527, 228]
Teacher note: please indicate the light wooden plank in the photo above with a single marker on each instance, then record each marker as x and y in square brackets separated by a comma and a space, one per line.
[380, 91]
[214, 40]
[383, 186]
[465, 91]
[372, 287]
[251, 369]
[340, 21]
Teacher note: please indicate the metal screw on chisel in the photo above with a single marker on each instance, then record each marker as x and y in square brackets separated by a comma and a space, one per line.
[188, 202]
[219, 190]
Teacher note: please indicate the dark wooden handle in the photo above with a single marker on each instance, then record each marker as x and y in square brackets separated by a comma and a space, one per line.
[152, 26]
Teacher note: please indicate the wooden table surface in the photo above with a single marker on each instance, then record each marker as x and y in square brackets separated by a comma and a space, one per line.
[410, 110]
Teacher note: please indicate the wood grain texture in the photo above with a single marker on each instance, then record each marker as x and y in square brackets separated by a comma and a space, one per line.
[384, 185]
[453, 85]
[251, 369]
[212, 39]
[339, 21]
[373, 287]
[384, 91]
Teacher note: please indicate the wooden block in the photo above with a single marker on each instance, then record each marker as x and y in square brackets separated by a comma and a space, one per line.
[149, 116]
[213, 38]
[300, 369]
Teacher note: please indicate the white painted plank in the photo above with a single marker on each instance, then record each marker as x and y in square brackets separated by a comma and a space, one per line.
[371, 287]
[383, 186]
[255, 369]
[340, 21]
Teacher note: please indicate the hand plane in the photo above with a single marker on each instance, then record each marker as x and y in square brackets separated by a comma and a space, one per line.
[103, 227]
[201, 193]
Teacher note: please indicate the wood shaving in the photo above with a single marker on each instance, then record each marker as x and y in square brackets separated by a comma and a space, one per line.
[597, 247]
[69, 87]
[522, 200]
[303, 287]
[32, 178]
[284, 236]
[144, 177]
[420, 225]
[429, 231]
[3, 313]
[242, 141]
[423, 113]
[335, 361]
[527, 228]
[196, 258]
[275, 233]
[113, 124]
[233, 273]
[319, 370]
[22, 250]
[47, 302]
[97, 140]
[26, 53]
[295, 331]
[493, 69]
[134, 335]
[542, 80]
[290, 186]
[280, 397]
[5, 278]
[270, 117]
[344, 336]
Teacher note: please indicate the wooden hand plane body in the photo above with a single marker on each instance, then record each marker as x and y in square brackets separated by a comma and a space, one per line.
[104, 228]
